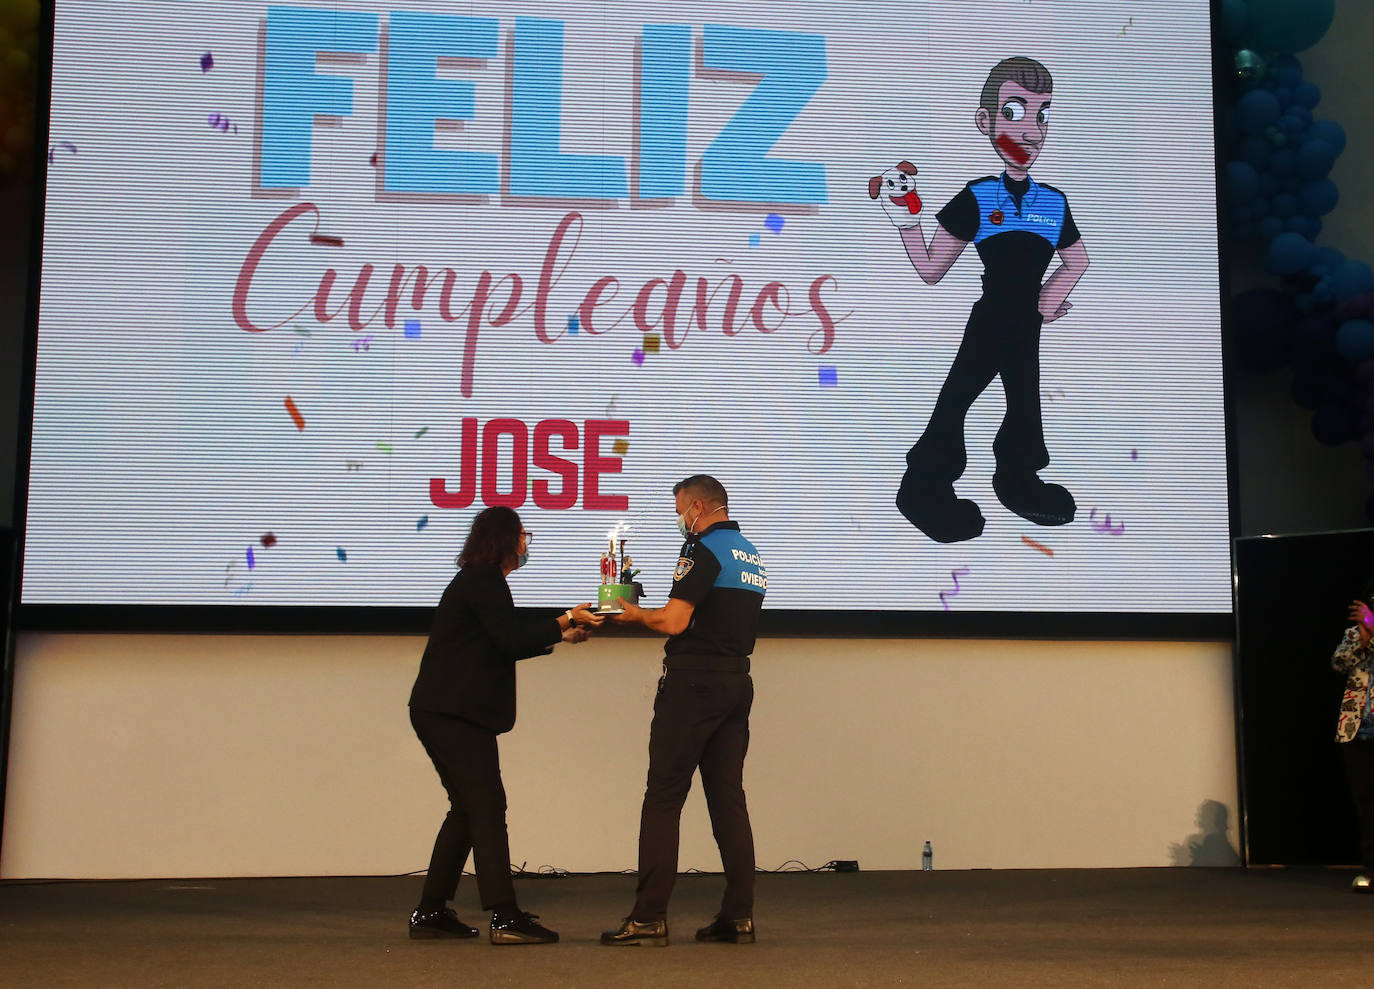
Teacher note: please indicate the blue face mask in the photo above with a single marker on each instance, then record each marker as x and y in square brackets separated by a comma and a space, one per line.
[522, 559]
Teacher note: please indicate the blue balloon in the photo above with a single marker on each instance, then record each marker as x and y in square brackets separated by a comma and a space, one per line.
[1301, 114]
[1355, 340]
[1268, 185]
[1259, 208]
[1242, 181]
[1287, 25]
[1284, 95]
[1270, 227]
[1286, 68]
[1318, 197]
[1352, 278]
[1235, 18]
[1307, 226]
[1283, 162]
[1330, 132]
[1284, 205]
[1256, 110]
[1289, 253]
[1256, 150]
[1290, 127]
[1315, 158]
[1307, 95]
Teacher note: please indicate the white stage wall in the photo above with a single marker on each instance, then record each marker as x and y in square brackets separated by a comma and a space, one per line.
[180, 756]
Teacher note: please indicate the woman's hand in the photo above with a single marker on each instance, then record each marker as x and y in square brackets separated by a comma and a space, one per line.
[574, 634]
[583, 614]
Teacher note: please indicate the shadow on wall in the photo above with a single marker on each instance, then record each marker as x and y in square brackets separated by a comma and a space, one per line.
[1210, 846]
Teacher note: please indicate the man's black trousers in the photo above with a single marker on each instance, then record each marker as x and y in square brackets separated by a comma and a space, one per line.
[470, 769]
[997, 340]
[701, 719]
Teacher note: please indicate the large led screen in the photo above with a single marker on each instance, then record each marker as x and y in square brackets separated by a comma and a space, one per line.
[931, 287]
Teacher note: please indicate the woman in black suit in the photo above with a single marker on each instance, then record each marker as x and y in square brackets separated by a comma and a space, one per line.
[464, 696]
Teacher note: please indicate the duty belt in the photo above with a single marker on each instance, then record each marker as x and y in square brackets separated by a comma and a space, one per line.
[719, 664]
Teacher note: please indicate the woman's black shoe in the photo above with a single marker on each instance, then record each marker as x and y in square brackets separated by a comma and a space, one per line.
[437, 924]
[519, 927]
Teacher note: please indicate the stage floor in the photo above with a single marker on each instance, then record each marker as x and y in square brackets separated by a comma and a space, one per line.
[1130, 927]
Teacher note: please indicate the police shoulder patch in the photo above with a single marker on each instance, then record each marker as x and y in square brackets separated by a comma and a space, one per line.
[684, 567]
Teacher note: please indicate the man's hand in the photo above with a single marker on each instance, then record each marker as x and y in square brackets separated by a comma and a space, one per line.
[632, 615]
[1364, 620]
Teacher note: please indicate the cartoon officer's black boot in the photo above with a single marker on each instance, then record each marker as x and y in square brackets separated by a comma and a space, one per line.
[937, 511]
[1034, 500]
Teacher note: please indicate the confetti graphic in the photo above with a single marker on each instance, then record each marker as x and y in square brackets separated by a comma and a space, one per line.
[955, 575]
[412, 329]
[572, 325]
[828, 376]
[620, 447]
[1040, 546]
[421, 431]
[773, 222]
[353, 465]
[207, 62]
[60, 144]
[339, 552]
[424, 521]
[268, 540]
[1106, 524]
[753, 240]
[1135, 455]
[637, 356]
[651, 343]
[241, 591]
[364, 342]
[221, 123]
[383, 446]
[296, 416]
[326, 239]
[250, 558]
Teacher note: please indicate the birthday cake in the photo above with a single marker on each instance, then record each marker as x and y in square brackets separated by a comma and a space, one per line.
[617, 576]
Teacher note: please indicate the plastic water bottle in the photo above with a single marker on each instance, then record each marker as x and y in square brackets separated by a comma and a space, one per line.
[927, 858]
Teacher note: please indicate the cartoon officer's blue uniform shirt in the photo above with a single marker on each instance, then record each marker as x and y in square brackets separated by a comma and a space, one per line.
[1016, 228]
[721, 574]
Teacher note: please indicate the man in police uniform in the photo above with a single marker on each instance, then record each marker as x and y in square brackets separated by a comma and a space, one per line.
[1017, 226]
[701, 715]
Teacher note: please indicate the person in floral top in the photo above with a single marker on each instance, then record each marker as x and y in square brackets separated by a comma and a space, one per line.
[1355, 729]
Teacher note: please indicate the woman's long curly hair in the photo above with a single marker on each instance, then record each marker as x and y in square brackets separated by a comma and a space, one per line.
[494, 538]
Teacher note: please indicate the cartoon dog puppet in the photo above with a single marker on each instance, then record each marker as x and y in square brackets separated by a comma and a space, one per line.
[900, 186]
[1017, 226]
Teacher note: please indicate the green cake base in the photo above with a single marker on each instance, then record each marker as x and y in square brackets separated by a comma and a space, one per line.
[606, 597]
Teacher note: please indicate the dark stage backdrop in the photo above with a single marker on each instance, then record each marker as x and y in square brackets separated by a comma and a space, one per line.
[1291, 601]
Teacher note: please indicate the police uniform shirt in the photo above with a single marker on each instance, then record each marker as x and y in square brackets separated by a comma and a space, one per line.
[721, 575]
[1016, 227]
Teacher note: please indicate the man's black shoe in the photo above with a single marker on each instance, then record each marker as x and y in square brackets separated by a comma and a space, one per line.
[937, 511]
[1033, 499]
[437, 924]
[519, 927]
[732, 931]
[654, 934]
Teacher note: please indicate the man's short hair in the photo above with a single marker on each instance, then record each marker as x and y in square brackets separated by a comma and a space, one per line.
[705, 487]
[1025, 72]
